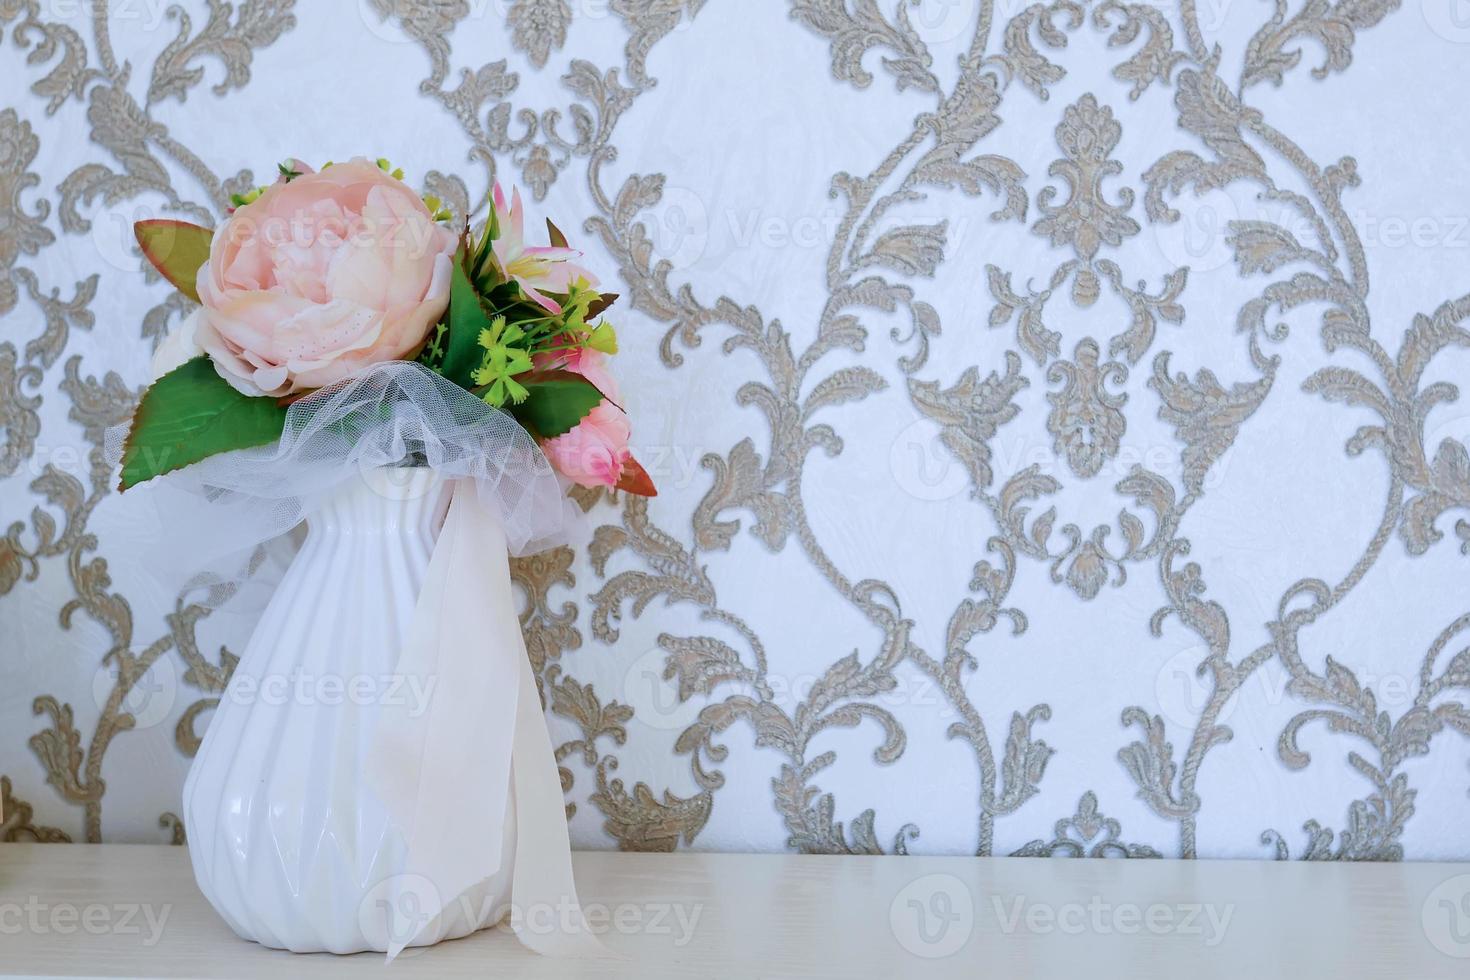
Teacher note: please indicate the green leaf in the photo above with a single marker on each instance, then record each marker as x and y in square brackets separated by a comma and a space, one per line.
[554, 233]
[466, 319]
[177, 249]
[507, 299]
[556, 402]
[190, 414]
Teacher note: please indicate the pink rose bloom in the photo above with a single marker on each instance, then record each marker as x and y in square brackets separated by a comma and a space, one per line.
[594, 453]
[538, 269]
[321, 276]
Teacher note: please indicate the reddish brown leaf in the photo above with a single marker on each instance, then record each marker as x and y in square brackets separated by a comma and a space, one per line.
[635, 480]
[598, 305]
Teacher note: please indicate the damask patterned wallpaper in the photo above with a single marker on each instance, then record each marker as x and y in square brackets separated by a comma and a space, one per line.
[1040, 472]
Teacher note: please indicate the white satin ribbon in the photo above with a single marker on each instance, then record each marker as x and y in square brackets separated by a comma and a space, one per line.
[447, 774]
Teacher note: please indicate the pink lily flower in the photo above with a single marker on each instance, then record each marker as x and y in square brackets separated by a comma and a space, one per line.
[538, 269]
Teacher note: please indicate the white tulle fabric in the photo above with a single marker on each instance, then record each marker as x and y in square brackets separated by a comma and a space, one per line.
[221, 512]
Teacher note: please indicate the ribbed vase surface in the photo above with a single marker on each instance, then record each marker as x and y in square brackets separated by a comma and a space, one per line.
[288, 841]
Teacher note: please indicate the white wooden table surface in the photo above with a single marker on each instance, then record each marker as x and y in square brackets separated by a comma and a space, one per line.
[133, 911]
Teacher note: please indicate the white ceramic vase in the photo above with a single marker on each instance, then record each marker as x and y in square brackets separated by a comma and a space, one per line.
[288, 839]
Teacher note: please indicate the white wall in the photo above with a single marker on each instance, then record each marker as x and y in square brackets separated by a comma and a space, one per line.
[920, 654]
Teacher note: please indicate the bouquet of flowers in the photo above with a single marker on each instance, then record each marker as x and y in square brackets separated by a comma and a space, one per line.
[350, 331]
[324, 273]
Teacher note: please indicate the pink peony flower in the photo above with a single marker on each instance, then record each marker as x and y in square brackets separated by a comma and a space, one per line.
[538, 269]
[320, 276]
